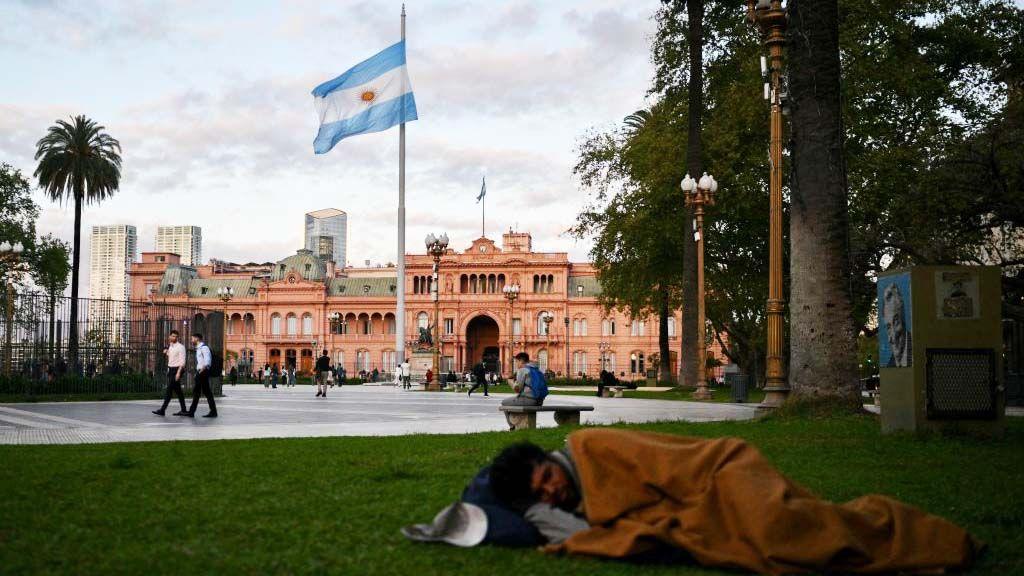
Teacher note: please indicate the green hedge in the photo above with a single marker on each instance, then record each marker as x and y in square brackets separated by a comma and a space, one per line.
[73, 384]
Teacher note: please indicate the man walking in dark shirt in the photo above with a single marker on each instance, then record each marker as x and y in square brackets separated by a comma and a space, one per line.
[323, 366]
[479, 379]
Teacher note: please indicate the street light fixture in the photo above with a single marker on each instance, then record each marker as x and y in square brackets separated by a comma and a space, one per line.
[226, 293]
[10, 253]
[547, 318]
[698, 194]
[770, 17]
[436, 246]
[511, 292]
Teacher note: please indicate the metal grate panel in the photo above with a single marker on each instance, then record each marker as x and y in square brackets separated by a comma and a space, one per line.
[961, 384]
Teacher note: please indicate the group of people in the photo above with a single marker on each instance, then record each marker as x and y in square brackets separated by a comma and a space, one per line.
[176, 356]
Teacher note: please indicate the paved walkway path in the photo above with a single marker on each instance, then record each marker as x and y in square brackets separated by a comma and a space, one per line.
[249, 411]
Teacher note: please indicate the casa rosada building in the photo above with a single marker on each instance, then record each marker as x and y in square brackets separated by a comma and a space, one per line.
[285, 313]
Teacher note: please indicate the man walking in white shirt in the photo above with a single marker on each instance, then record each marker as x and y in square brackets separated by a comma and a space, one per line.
[204, 359]
[175, 353]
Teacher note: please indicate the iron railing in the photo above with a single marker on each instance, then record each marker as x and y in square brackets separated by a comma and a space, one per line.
[120, 344]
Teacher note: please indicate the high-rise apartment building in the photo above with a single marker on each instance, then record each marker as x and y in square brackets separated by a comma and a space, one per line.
[112, 252]
[185, 241]
[326, 234]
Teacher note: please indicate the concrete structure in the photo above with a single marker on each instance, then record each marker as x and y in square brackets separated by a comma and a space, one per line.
[326, 234]
[185, 241]
[112, 252]
[277, 318]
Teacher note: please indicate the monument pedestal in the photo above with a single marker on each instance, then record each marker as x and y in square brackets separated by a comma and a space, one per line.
[421, 361]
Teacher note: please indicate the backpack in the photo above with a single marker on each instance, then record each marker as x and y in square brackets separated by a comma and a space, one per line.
[538, 383]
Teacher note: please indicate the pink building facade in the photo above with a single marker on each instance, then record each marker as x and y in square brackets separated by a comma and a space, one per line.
[285, 313]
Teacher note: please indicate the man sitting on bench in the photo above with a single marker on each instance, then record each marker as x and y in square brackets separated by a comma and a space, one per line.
[524, 385]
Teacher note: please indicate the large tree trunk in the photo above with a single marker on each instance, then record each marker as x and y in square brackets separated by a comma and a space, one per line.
[688, 358]
[823, 343]
[664, 352]
[73, 320]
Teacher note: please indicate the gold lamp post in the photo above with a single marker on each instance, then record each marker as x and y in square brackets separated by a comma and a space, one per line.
[511, 292]
[699, 193]
[225, 294]
[770, 17]
[436, 246]
[10, 253]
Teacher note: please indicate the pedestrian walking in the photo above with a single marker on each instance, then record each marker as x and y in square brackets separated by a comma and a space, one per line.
[480, 379]
[266, 376]
[323, 368]
[204, 363]
[175, 353]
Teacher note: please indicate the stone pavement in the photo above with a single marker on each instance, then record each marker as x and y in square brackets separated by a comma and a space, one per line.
[251, 411]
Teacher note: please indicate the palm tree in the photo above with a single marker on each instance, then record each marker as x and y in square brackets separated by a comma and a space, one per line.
[823, 340]
[77, 161]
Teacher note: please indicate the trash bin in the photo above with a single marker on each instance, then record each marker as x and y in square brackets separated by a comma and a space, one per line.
[738, 386]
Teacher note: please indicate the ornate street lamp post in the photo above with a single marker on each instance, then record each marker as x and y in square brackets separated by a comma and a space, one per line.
[226, 293]
[511, 292]
[10, 253]
[436, 246]
[548, 318]
[697, 194]
[770, 17]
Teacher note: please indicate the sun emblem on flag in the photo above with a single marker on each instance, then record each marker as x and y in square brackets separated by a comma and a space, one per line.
[368, 96]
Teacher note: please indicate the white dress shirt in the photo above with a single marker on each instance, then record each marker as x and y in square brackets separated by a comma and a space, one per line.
[203, 357]
[176, 355]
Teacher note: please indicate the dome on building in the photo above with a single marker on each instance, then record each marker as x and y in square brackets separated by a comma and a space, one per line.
[304, 263]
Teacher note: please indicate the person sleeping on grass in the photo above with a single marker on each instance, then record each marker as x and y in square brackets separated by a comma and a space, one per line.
[716, 502]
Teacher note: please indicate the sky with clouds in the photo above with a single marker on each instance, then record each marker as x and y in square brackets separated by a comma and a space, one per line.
[211, 102]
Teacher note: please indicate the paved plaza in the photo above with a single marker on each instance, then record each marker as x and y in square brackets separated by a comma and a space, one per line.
[251, 411]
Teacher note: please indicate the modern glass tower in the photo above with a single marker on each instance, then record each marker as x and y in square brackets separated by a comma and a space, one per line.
[327, 233]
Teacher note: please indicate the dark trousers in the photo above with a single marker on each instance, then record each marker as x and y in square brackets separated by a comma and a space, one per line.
[477, 384]
[203, 387]
[173, 386]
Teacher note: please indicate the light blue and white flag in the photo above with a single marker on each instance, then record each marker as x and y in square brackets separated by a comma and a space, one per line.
[483, 189]
[373, 95]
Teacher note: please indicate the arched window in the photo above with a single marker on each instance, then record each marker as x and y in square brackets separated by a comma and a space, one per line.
[363, 360]
[492, 284]
[671, 327]
[464, 284]
[579, 363]
[389, 323]
[501, 282]
[338, 357]
[275, 324]
[542, 326]
[608, 327]
[307, 323]
[609, 362]
[472, 283]
[422, 320]
[637, 328]
[542, 360]
[292, 324]
[579, 327]
[636, 363]
[364, 326]
[536, 283]
[250, 323]
[387, 361]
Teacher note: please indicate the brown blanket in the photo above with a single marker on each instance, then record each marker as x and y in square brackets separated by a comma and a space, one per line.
[722, 502]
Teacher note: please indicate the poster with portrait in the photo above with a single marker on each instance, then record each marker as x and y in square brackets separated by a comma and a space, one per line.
[895, 342]
[956, 295]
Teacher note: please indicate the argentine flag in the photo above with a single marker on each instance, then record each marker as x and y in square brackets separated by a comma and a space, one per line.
[373, 95]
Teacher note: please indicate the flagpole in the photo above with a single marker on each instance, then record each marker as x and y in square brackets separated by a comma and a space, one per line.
[400, 265]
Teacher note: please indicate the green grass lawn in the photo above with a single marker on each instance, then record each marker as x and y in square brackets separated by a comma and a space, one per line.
[334, 505]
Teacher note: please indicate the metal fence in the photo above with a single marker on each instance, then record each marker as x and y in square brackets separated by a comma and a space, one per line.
[120, 344]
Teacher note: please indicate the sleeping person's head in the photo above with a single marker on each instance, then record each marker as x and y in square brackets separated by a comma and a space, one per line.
[523, 474]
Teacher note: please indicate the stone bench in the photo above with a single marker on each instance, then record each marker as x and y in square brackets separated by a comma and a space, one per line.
[614, 391]
[520, 417]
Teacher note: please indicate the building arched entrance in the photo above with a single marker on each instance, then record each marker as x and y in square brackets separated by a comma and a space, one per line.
[482, 343]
